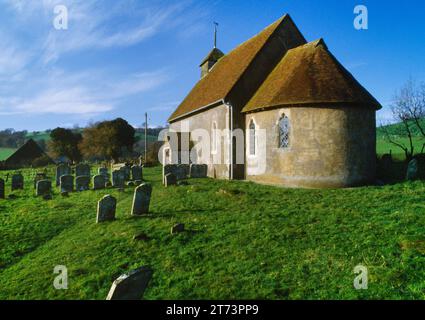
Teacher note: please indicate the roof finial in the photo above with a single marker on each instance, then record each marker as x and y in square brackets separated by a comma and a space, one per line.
[215, 34]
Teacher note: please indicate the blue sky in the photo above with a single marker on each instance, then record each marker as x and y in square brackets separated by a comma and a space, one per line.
[124, 58]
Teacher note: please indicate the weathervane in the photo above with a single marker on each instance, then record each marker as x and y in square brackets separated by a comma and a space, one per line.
[215, 34]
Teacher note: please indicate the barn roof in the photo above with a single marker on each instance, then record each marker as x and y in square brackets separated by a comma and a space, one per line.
[26, 154]
[218, 83]
[310, 75]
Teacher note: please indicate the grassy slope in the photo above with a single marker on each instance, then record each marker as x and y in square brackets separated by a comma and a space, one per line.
[245, 241]
[45, 136]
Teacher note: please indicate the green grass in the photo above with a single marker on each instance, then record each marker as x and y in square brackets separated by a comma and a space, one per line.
[383, 146]
[6, 153]
[244, 241]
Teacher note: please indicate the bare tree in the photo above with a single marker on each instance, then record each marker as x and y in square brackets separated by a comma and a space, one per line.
[409, 109]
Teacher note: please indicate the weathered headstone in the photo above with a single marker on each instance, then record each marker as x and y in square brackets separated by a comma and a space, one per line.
[82, 183]
[104, 172]
[170, 180]
[136, 173]
[106, 208]
[82, 169]
[130, 286]
[141, 199]
[198, 171]
[2, 193]
[118, 179]
[38, 177]
[181, 171]
[99, 182]
[126, 170]
[412, 170]
[62, 170]
[17, 182]
[67, 183]
[138, 182]
[178, 228]
[43, 187]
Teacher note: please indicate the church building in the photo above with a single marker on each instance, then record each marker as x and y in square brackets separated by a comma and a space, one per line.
[305, 121]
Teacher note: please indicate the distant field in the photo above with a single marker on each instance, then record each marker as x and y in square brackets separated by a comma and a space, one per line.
[6, 153]
[243, 241]
[383, 146]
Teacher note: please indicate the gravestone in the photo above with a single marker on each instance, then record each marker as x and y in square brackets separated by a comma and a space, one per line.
[130, 286]
[141, 199]
[67, 183]
[198, 171]
[99, 182]
[104, 172]
[2, 193]
[136, 173]
[62, 170]
[17, 182]
[138, 182]
[181, 171]
[38, 177]
[43, 187]
[412, 170]
[82, 169]
[118, 179]
[106, 208]
[82, 183]
[126, 170]
[170, 180]
[178, 228]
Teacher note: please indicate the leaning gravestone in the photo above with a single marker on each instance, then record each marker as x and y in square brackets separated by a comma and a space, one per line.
[106, 208]
[62, 170]
[141, 199]
[82, 169]
[17, 182]
[118, 179]
[198, 171]
[2, 193]
[130, 286]
[136, 173]
[99, 182]
[126, 170]
[82, 183]
[43, 187]
[67, 183]
[412, 170]
[170, 180]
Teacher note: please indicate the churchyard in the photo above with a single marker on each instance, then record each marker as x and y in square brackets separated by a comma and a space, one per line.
[208, 239]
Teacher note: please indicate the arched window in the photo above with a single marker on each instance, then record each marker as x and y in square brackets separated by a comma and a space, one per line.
[252, 138]
[214, 138]
[284, 132]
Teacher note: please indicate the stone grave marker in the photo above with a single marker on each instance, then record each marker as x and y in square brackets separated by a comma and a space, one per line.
[118, 179]
[99, 182]
[412, 170]
[170, 180]
[198, 171]
[2, 189]
[38, 177]
[44, 187]
[17, 182]
[178, 228]
[82, 183]
[62, 170]
[106, 209]
[130, 286]
[136, 173]
[67, 183]
[82, 169]
[141, 199]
